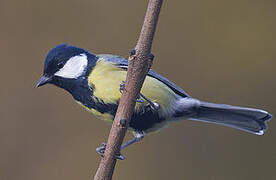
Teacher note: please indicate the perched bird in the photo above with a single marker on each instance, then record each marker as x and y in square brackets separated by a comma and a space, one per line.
[94, 81]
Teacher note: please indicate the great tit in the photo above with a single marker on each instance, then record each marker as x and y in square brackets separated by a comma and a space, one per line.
[94, 81]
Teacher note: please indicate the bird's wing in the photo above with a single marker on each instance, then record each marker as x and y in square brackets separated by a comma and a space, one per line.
[123, 63]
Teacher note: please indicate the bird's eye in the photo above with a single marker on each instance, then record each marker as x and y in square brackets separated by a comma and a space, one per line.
[60, 65]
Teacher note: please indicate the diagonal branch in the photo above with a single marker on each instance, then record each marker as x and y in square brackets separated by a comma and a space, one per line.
[138, 67]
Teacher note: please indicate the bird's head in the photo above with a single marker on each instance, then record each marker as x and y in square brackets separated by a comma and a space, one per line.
[65, 64]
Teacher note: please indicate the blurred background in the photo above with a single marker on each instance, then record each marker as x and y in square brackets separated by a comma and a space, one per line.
[218, 51]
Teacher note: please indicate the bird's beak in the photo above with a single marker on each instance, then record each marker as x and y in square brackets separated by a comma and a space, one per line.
[43, 80]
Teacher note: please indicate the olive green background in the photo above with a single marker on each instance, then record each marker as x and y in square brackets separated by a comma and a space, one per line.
[218, 51]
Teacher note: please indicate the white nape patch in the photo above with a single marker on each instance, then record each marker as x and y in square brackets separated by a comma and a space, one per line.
[261, 132]
[74, 67]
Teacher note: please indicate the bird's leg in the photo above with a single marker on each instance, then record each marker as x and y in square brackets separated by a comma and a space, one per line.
[141, 98]
[153, 105]
[138, 136]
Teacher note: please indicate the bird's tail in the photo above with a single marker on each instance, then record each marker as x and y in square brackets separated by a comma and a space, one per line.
[246, 119]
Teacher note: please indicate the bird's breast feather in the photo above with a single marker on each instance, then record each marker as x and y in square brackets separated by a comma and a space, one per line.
[106, 78]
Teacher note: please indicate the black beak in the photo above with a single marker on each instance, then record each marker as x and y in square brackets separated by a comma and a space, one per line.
[43, 80]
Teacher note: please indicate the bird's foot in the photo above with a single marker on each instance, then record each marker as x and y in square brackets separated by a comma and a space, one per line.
[154, 105]
[100, 150]
[141, 98]
[151, 56]
[133, 52]
[122, 86]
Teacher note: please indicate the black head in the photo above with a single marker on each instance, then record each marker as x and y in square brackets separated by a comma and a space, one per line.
[65, 64]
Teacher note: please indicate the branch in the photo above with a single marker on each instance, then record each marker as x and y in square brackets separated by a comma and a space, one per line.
[138, 67]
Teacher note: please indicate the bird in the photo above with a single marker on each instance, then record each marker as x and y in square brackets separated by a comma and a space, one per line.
[96, 81]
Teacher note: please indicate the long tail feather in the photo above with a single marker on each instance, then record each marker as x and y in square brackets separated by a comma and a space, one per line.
[246, 119]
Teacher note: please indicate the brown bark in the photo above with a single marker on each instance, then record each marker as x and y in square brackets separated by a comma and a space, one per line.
[138, 67]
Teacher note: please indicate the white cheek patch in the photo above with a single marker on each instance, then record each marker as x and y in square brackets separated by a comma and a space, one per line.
[74, 67]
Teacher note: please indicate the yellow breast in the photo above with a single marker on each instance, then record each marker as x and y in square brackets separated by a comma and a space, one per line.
[106, 78]
[103, 116]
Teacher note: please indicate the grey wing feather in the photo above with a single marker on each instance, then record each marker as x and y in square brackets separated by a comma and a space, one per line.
[123, 63]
